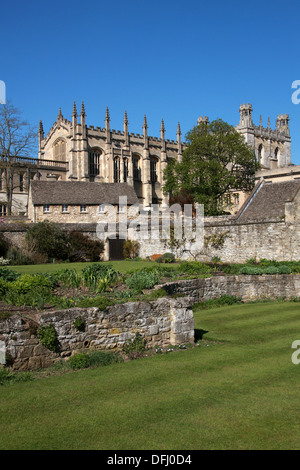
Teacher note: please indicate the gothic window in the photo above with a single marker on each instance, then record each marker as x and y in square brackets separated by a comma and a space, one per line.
[136, 168]
[259, 153]
[94, 162]
[117, 170]
[153, 170]
[1, 180]
[3, 210]
[125, 169]
[59, 150]
[21, 182]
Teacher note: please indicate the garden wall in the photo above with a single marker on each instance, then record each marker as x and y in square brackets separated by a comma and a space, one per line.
[246, 287]
[161, 322]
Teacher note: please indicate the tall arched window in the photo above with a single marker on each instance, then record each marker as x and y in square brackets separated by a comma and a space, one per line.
[259, 153]
[276, 153]
[117, 170]
[153, 170]
[94, 162]
[59, 150]
[137, 174]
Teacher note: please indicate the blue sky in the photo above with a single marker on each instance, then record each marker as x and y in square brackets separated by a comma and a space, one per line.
[175, 60]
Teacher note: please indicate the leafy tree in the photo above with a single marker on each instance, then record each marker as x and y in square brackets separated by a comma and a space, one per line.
[17, 139]
[49, 239]
[216, 161]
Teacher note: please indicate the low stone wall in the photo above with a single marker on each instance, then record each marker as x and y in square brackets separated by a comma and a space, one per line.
[161, 322]
[246, 287]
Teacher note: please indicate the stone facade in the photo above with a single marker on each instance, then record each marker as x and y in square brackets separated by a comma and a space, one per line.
[161, 322]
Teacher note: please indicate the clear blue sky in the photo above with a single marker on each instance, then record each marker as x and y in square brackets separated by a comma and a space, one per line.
[172, 59]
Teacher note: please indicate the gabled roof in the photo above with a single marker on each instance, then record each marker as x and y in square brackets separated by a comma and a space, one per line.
[267, 201]
[76, 193]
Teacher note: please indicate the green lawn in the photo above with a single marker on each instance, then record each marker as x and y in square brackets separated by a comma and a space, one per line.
[121, 266]
[238, 390]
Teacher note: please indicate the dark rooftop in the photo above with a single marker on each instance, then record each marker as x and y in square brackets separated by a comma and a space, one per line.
[75, 193]
[267, 201]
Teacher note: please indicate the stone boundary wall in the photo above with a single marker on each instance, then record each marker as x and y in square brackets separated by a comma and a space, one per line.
[248, 288]
[270, 239]
[161, 322]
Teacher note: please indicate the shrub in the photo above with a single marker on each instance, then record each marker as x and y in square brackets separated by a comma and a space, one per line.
[4, 245]
[168, 257]
[7, 376]
[103, 358]
[92, 274]
[17, 257]
[131, 249]
[154, 257]
[83, 248]
[48, 337]
[136, 347]
[28, 282]
[79, 361]
[69, 277]
[8, 274]
[142, 280]
[4, 287]
[195, 267]
[79, 324]
[3, 261]
[48, 239]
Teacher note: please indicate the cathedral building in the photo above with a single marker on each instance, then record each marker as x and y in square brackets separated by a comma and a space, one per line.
[75, 152]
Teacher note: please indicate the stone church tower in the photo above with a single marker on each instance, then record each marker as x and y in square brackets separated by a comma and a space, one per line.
[108, 156]
[272, 147]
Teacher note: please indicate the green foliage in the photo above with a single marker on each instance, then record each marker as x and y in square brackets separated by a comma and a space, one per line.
[49, 239]
[99, 276]
[131, 249]
[28, 282]
[4, 287]
[4, 245]
[136, 347]
[195, 267]
[69, 277]
[220, 302]
[97, 301]
[79, 324]
[83, 248]
[168, 257]
[79, 361]
[48, 337]
[8, 274]
[93, 359]
[18, 258]
[208, 169]
[9, 377]
[142, 280]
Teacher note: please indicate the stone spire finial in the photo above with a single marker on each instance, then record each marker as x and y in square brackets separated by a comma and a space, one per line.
[82, 112]
[74, 109]
[41, 129]
[269, 122]
[59, 116]
[145, 126]
[178, 129]
[125, 118]
[260, 120]
[107, 117]
[162, 126]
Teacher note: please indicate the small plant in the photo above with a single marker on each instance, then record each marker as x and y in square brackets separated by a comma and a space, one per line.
[8, 274]
[79, 361]
[135, 348]
[131, 249]
[48, 337]
[79, 324]
[142, 280]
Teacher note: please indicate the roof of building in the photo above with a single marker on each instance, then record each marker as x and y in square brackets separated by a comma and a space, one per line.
[267, 200]
[77, 192]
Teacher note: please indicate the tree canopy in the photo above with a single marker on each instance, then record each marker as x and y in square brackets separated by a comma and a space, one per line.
[216, 160]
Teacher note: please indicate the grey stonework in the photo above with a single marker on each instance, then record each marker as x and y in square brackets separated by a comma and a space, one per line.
[161, 322]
